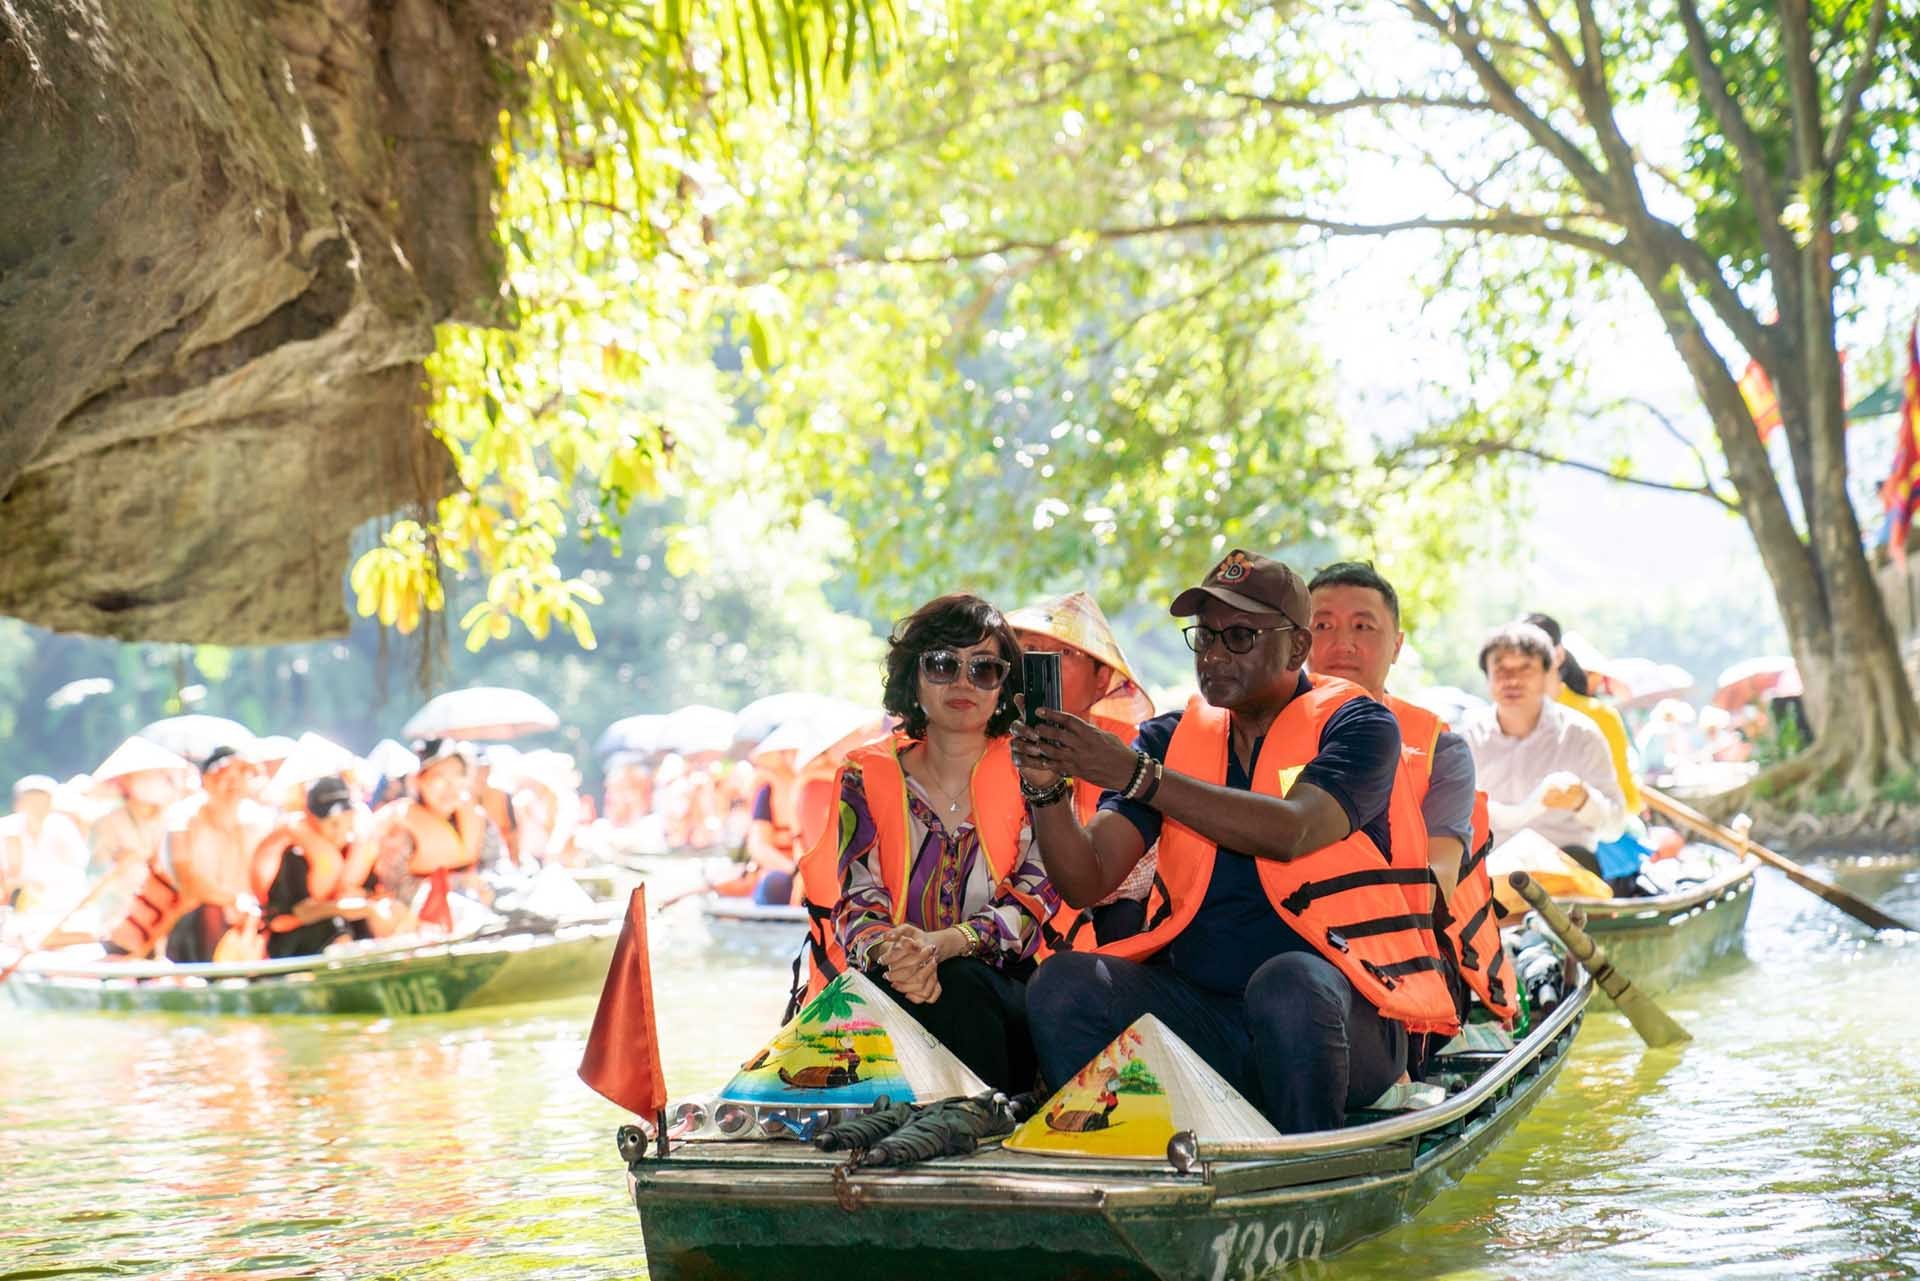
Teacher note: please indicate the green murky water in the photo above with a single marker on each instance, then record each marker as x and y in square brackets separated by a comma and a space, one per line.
[1785, 1142]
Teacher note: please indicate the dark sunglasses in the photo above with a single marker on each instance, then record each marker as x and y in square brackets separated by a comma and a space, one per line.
[942, 667]
[1238, 640]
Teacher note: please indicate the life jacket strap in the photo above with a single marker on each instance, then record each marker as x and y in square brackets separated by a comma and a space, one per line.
[1301, 898]
[1469, 957]
[1475, 858]
[1339, 934]
[1390, 975]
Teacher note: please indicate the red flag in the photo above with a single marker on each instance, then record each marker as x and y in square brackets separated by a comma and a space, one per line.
[623, 1050]
[1757, 390]
[1903, 485]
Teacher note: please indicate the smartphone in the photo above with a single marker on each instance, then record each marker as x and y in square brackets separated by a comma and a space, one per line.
[1040, 681]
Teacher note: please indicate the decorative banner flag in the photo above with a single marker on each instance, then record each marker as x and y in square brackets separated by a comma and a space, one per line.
[847, 1047]
[1902, 489]
[622, 1060]
[1757, 390]
[1134, 1097]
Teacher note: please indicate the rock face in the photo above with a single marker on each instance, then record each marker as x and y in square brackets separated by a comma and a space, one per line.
[227, 229]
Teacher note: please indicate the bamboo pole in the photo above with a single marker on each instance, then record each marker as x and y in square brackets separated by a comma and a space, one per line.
[1653, 1024]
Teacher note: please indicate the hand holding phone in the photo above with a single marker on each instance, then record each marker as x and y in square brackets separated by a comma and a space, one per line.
[1040, 681]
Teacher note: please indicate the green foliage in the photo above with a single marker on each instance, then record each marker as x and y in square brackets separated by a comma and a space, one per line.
[1137, 1078]
[1782, 741]
[836, 1001]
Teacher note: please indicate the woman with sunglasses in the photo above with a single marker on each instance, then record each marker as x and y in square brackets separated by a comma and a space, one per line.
[939, 895]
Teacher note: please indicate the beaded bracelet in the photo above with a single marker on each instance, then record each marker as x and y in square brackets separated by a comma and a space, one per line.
[1041, 797]
[1140, 760]
[1148, 792]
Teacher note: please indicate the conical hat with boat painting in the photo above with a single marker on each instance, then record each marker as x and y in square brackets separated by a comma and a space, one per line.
[847, 1047]
[1140, 1091]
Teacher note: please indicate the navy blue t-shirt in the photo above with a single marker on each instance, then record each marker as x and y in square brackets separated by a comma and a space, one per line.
[1236, 929]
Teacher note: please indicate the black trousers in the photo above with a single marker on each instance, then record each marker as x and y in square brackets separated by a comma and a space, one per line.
[981, 1015]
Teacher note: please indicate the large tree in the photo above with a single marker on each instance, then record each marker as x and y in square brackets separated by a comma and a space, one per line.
[1740, 169]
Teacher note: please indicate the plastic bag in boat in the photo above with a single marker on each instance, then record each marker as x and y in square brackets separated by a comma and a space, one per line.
[1145, 1087]
[847, 1047]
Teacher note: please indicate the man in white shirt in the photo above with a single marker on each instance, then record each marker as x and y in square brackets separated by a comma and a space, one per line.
[42, 854]
[1542, 766]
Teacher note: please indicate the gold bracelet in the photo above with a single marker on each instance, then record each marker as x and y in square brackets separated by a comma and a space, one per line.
[972, 936]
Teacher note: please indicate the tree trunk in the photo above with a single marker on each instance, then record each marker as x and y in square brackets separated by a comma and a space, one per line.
[227, 230]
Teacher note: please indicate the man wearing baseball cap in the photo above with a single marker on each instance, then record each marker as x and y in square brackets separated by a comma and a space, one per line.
[1278, 943]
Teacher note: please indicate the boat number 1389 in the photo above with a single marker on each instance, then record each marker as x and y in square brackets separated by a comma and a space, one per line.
[1255, 1249]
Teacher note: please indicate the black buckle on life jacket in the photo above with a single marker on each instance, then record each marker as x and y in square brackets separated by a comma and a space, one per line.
[1166, 903]
[1338, 940]
[1388, 974]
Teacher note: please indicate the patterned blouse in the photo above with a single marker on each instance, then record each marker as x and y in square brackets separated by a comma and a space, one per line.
[950, 882]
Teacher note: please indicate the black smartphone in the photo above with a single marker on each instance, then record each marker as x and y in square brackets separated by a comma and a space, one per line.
[1040, 682]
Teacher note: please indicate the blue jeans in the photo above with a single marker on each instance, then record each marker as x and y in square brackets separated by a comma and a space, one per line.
[1300, 1043]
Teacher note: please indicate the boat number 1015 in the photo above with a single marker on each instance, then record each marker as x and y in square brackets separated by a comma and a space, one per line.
[1254, 1249]
[410, 996]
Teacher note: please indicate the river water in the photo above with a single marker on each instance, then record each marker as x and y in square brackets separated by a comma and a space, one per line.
[1784, 1142]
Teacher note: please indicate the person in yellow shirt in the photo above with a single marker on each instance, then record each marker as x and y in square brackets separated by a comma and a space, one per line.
[1570, 690]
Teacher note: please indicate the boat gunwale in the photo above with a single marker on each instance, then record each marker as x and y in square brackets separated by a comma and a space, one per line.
[337, 965]
[1655, 909]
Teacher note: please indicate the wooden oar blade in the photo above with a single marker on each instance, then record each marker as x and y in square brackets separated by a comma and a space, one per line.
[1655, 1026]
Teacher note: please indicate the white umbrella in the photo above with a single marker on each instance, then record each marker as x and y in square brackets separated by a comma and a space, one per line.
[638, 734]
[483, 711]
[763, 716]
[273, 747]
[195, 736]
[136, 756]
[697, 728]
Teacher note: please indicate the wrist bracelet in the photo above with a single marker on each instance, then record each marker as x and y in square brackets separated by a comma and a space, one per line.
[1148, 792]
[972, 937]
[1041, 797]
[1139, 771]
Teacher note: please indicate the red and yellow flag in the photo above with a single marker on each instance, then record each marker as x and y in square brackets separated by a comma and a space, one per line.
[1901, 493]
[1757, 390]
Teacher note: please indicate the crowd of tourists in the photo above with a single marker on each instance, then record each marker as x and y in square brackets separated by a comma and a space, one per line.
[1289, 872]
[230, 858]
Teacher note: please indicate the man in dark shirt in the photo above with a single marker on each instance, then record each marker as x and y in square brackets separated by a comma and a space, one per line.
[1238, 984]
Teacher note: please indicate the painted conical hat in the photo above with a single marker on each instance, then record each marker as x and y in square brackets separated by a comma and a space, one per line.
[1135, 1096]
[137, 756]
[847, 1047]
[1075, 619]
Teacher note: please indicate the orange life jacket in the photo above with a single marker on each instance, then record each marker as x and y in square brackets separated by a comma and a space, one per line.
[1471, 929]
[1345, 899]
[441, 847]
[326, 866]
[999, 814]
[155, 910]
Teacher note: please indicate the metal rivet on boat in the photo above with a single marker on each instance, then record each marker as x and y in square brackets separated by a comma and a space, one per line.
[1183, 1152]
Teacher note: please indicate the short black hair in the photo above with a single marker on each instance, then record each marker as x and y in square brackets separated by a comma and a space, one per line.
[1547, 624]
[1358, 573]
[1519, 638]
[954, 621]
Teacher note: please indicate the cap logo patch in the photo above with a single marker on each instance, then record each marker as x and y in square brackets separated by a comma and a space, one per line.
[1232, 569]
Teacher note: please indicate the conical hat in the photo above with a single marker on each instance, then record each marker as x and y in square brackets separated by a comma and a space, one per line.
[847, 1047]
[137, 756]
[1134, 1097]
[1075, 619]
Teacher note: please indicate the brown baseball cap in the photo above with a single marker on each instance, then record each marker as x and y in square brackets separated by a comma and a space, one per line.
[1251, 583]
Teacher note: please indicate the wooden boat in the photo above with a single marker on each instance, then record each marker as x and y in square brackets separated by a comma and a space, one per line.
[776, 1211]
[385, 978]
[1664, 940]
[744, 911]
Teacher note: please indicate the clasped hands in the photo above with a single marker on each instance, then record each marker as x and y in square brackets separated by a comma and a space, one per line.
[1065, 746]
[910, 958]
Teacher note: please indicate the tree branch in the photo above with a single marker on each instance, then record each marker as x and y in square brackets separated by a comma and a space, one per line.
[1504, 223]
[1323, 107]
[1469, 451]
[1733, 121]
[1506, 98]
[1803, 86]
[1856, 89]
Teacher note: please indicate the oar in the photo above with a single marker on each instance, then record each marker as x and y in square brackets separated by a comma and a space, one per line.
[1739, 843]
[59, 925]
[1653, 1024]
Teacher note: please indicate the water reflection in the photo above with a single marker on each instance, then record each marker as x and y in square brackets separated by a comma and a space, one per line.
[1781, 1142]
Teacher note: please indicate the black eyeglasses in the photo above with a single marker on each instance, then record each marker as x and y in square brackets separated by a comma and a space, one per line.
[942, 667]
[1238, 640]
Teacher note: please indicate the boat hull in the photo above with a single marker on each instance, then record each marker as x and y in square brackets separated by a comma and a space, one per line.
[1662, 942]
[508, 970]
[774, 1212]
